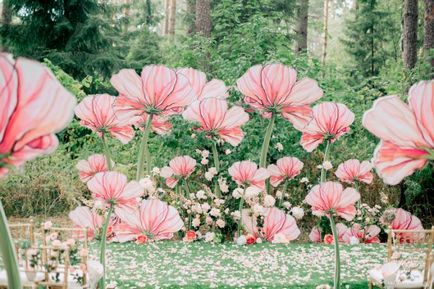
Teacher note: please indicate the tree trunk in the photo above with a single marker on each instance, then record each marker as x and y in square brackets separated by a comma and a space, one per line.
[326, 28]
[302, 24]
[191, 16]
[428, 41]
[167, 16]
[203, 17]
[409, 33]
[172, 17]
[6, 17]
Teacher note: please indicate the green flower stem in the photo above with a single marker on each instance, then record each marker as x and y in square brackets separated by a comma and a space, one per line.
[337, 277]
[8, 252]
[266, 143]
[103, 245]
[215, 155]
[144, 155]
[359, 202]
[188, 192]
[107, 152]
[326, 155]
[240, 209]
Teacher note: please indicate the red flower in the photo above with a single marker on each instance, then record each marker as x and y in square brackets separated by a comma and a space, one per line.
[328, 239]
[250, 239]
[190, 236]
[141, 239]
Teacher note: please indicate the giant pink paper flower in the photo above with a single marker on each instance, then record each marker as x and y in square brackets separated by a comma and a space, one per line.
[179, 167]
[202, 88]
[94, 164]
[276, 224]
[159, 90]
[352, 170]
[315, 235]
[217, 120]
[113, 189]
[406, 221]
[84, 218]
[246, 173]
[367, 235]
[330, 121]
[406, 132]
[286, 168]
[33, 106]
[153, 220]
[329, 197]
[97, 113]
[274, 88]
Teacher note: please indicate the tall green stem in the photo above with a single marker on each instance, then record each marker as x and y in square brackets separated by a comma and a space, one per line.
[266, 143]
[359, 202]
[188, 192]
[144, 151]
[8, 252]
[215, 155]
[326, 156]
[337, 277]
[103, 245]
[107, 152]
[240, 209]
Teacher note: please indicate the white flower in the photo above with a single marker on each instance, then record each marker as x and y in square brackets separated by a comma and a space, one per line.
[156, 171]
[279, 147]
[220, 223]
[206, 207]
[252, 192]
[212, 170]
[241, 240]
[197, 208]
[327, 165]
[297, 212]
[208, 220]
[227, 151]
[384, 198]
[323, 286]
[287, 205]
[269, 201]
[223, 185]
[215, 212]
[204, 161]
[319, 167]
[279, 194]
[200, 195]
[193, 135]
[258, 241]
[205, 153]
[191, 195]
[354, 240]
[47, 225]
[258, 209]
[209, 237]
[237, 193]
[236, 215]
[280, 238]
[196, 222]
[208, 176]
[304, 180]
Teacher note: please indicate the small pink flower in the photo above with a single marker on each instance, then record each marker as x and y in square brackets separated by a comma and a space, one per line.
[406, 132]
[273, 88]
[97, 113]
[154, 219]
[158, 90]
[330, 121]
[368, 234]
[190, 236]
[246, 173]
[315, 235]
[113, 189]
[286, 168]
[202, 88]
[179, 167]
[352, 170]
[47, 225]
[141, 239]
[406, 221]
[328, 239]
[94, 164]
[216, 120]
[330, 197]
[33, 107]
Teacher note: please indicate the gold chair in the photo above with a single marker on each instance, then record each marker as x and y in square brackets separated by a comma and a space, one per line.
[413, 249]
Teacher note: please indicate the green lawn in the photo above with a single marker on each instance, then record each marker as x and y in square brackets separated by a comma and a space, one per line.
[203, 265]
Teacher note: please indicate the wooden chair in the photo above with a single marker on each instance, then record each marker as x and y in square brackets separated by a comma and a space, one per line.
[413, 249]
